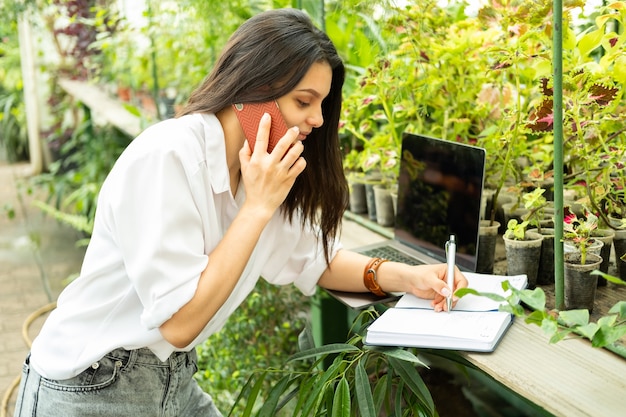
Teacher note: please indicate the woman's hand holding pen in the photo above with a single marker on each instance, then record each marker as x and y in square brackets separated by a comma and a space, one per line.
[430, 282]
[424, 281]
[268, 177]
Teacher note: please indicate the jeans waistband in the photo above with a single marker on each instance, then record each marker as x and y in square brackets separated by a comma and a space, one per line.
[145, 356]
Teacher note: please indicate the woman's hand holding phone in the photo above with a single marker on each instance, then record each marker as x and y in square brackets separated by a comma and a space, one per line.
[249, 115]
[268, 177]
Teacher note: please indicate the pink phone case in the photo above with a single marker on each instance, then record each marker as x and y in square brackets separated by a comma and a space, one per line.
[249, 115]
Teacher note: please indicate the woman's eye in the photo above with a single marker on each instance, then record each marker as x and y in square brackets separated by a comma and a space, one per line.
[302, 103]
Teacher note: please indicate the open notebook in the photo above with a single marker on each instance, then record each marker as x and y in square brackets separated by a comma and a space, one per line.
[475, 324]
[439, 194]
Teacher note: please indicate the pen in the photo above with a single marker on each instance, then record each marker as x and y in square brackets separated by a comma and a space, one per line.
[450, 258]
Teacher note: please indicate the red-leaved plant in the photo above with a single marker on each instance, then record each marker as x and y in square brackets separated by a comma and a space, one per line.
[578, 230]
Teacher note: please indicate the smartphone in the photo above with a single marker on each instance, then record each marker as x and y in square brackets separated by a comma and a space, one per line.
[249, 115]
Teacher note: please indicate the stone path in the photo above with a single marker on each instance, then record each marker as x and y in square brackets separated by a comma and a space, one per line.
[37, 254]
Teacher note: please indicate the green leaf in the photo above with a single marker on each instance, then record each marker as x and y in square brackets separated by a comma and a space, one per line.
[464, 291]
[610, 278]
[399, 353]
[515, 309]
[254, 392]
[607, 321]
[535, 299]
[575, 317]
[414, 381]
[134, 110]
[608, 335]
[380, 392]
[269, 408]
[315, 395]
[558, 336]
[569, 38]
[590, 41]
[341, 401]
[398, 403]
[306, 393]
[549, 325]
[619, 69]
[619, 308]
[588, 330]
[324, 350]
[363, 391]
[536, 317]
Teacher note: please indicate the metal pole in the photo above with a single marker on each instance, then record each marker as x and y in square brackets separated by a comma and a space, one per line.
[557, 62]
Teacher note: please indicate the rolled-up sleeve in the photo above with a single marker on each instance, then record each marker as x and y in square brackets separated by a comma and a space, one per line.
[159, 231]
[298, 258]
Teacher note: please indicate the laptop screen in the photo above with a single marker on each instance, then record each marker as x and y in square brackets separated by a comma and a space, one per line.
[439, 192]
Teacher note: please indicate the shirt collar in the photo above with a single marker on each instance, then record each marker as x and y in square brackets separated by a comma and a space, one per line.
[215, 152]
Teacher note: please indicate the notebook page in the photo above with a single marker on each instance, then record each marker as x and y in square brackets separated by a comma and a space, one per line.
[479, 282]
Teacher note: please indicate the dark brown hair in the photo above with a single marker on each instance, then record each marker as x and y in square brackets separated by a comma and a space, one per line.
[263, 60]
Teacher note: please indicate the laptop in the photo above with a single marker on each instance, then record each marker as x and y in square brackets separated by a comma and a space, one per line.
[439, 193]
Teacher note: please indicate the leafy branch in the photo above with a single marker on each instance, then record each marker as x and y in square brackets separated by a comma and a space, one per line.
[361, 380]
[558, 325]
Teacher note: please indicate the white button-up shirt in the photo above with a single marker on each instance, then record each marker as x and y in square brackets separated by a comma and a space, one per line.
[163, 208]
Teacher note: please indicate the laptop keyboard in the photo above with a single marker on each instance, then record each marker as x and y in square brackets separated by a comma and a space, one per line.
[388, 252]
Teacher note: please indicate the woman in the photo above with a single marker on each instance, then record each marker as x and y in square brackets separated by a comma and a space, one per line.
[190, 217]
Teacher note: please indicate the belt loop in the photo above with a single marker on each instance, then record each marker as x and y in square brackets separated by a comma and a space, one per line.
[132, 357]
[192, 356]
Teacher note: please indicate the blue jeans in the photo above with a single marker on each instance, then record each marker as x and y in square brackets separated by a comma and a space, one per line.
[122, 383]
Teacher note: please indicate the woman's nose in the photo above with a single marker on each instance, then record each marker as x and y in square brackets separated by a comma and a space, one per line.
[317, 119]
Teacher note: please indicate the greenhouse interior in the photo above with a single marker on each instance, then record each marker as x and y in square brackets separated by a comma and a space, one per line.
[203, 187]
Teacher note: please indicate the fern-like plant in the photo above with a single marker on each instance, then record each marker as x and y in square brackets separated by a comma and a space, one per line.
[360, 381]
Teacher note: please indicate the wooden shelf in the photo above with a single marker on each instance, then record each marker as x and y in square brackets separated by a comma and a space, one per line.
[104, 109]
[569, 378]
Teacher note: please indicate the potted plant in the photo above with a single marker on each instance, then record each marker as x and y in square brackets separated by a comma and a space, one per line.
[607, 197]
[382, 153]
[582, 256]
[523, 250]
[558, 325]
[356, 182]
[536, 204]
[577, 234]
[375, 124]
